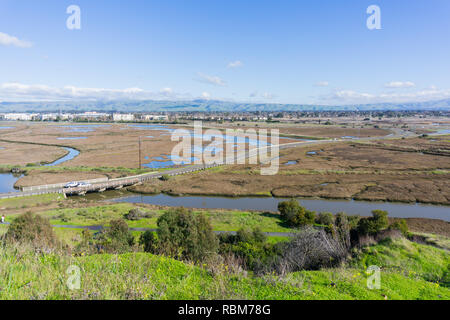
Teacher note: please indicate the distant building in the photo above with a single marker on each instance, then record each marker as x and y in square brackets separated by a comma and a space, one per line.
[92, 115]
[123, 117]
[20, 116]
[49, 116]
[149, 117]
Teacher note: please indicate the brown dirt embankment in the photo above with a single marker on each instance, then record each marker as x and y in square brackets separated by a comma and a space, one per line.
[42, 178]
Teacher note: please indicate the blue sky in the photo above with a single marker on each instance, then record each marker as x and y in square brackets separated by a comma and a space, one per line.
[318, 52]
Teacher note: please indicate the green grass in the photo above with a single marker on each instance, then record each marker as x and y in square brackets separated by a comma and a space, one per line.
[437, 240]
[411, 259]
[31, 201]
[146, 276]
[221, 220]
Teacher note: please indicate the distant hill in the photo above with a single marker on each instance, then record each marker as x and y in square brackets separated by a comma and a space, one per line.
[207, 106]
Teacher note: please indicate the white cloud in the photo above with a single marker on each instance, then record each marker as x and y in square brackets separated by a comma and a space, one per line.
[206, 95]
[7, 40]
[214, 80]
[37, 92]
[235, 64]
[400, 84]
[322, 84]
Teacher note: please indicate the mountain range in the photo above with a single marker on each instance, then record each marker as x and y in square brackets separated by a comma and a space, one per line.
[208, 106]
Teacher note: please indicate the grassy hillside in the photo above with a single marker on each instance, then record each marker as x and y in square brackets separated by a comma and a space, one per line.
[28, 275]
[222, 220]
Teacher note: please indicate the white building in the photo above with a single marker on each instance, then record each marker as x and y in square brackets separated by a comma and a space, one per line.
[148, 117]
[20, 116]
[92, 115]
[49, 116]
[123, 117]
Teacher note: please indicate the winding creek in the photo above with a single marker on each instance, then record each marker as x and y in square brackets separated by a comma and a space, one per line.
[363, 208]
[7, 180]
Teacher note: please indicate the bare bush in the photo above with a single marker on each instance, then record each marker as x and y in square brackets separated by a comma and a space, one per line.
[311, 249]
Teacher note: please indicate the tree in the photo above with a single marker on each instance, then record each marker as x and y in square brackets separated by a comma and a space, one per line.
[294, 214]
[288, 209]
[380, 218]
[182, 234]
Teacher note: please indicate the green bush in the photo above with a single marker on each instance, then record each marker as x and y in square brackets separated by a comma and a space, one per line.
[248, 245]
[294, 214]
[164, 177]
[374, 224]
[33, 229]
[136, 214]
[149, 241]
[185, 235]
[343, 227]
[117, 238]
[325, 218]
[400, 225]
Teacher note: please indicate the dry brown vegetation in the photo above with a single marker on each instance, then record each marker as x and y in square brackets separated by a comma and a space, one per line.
[336, 171]
[322, 131]
[115, 145]
[20, 154]
[36, 178]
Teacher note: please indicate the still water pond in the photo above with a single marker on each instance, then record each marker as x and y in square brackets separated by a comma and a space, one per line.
[7, 181]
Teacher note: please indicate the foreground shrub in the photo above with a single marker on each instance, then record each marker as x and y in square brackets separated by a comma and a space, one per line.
[136, 214]
[400, 225]
[248, 246]
[116, 239]
[325, 218]
[32, 229]
[311, 249]
[185, 235]
[149, 241]
[343, 226]
[374, 224]
[294, 214]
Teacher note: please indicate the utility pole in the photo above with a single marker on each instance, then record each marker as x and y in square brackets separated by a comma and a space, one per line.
[140, 164]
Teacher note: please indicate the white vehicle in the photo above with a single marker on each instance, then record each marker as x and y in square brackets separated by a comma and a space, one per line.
[83, 184]
[72, 184]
